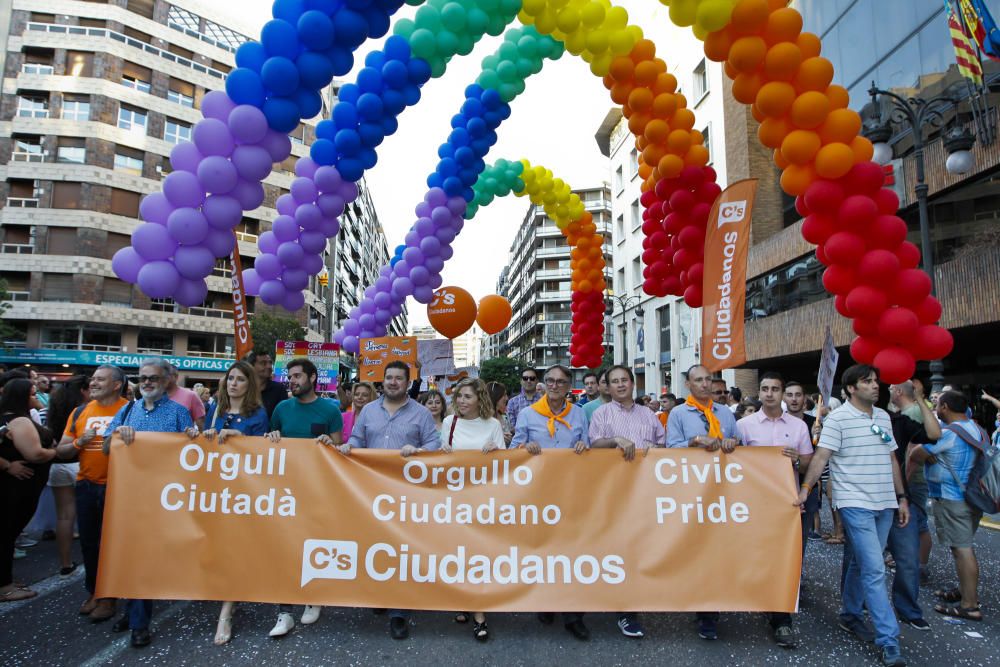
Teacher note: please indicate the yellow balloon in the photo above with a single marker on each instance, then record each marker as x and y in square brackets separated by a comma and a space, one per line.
[568, 20]
[622, 42]
[546, 21]
[714, 14]
[598, 41]
[684, 12]
[602, 64]
[533, 7]
[576, 43]
[592, 14]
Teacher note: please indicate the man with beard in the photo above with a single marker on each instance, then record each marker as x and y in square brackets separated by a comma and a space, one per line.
[304, 415]
[155, 412]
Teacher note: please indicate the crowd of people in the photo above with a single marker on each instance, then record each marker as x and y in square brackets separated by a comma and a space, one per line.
[882, 471]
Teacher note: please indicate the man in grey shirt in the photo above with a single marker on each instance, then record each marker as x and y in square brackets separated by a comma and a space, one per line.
[394, 421]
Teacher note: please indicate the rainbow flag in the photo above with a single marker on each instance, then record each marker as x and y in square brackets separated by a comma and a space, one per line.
[966, 56]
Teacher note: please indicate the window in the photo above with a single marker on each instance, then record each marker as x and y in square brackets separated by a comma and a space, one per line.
[32, 106]
[620, 229]
[71, 150]
[706, 133]
[136, 77]
[633, 163]
[636, 273]
[79, 63]
[101, 339]
[66, 195]
[175, 131]
[141, 7]
[125, 202]
[62, 241]
[663, 314]
[700, 81]
[636, 213]
[156, 342]
[181, 92]
[62, 338]
[76, 107]
[619, 181]
[132, 119]
[114, 243]
[27, 147]
[37, 63]
[128, 160]
[57, 287]
[116, 293]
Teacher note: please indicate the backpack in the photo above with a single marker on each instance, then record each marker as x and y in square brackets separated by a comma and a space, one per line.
[982, 492]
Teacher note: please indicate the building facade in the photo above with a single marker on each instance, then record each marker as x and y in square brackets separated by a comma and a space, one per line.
[95, 96]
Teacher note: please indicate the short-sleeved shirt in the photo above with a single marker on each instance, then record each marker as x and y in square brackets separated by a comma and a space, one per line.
[189, 400]
[687, 422]
[519, 403]
[271, 394]
[861, 463]
[411, 424]
[254, 424]
[759, 430]
[472, 434]
[591, 407]
[93, 462]
[960, 457]
[533, 427]
[165, 417]
[295, 419]
[636, 423]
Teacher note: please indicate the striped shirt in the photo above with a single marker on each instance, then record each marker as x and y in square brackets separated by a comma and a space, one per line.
[519, 403]
[861, 464]
[637, 423]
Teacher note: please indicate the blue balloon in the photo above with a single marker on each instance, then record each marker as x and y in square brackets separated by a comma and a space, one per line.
[348, 93]
[378, 22]
[472, 108]
[446, 150]
[375, 59]
[325, 129]
[397, 48]
[341, 59]
[398, 250]
[468, 176]
[394, 261]
[477, 128]
[395, 74]
[315, 30]
[371, 134]
[280, 39]
[350, 169]
[447, 167]
[370, 80]
[345, 115]
[505, 112]
[393, 101]
[251, 55]
[491, 99]
[325, 6]
[473, 90]
[459, 120]
[280, 75]
[412, 94]
[282, 114]
[348, 142]
[323, 152]
[420, 71]
[288, 10]
[389, 125]
[453, 186]
[459, 137]
[434, 180]
[464, 156]
[369, 158]
[468, 194]
[351, 28]
[315, 70]
[244, 86]
[309, 102]
[370, 107]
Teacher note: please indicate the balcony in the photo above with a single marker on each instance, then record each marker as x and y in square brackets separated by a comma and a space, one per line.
[558, 251]
[19, 295]
[28, 156]
[37, 68]
[22, 202]
[88, 347]
[247, 237]
[17, 249]
[31, 112]
[561, 295]
[209, 312]
[154, 350]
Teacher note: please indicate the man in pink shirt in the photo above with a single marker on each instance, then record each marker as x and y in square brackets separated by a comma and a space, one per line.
[186, 397]
[772, 426]
[625, 425]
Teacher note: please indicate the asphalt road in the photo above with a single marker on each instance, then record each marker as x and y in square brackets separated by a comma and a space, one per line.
[48, 631]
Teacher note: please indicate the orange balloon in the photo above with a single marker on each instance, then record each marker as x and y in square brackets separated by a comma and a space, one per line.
[773, 131]
[838, 96]
[756, 113]
[783, 25]
[782, 61]
[841, 125]
[809, 44]
[452, 311]
[644, 49]
[834, 160]
[796, 179]
[747, 54]
[657, 130]
[800, 146]
[622, 69]
[863, 149]
[670, 166]
[746, 87]
[645, 171]
[775, 98]
[814, 74]
[779, 160]
[679, 141]
[620, 92]
[683, 119]
[641, 99]
[664, 105]
[647, 71]
[637, 123]
[729, 70]
[697, 156]
[653, 152]
[810, 109]
[749, 16]
[717, 45]
[665, 83]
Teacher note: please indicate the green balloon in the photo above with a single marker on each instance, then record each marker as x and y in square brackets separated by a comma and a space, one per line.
[476, 21]
[423, 44]
[507, 71]
[447, 44]
[429, 18]
[489, 80]
[453, 17]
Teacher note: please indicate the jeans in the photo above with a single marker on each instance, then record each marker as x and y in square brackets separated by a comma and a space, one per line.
[904, 545]
[810, 509]
[863, 576]
[90, 518]
[139, 613]
[400, 613]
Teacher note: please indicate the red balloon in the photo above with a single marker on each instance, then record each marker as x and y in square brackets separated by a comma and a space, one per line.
[800, 206]
[821, 256]
[708, 192]
[691, 177]
[696, 273]
[887, 201]
[898, 325]
[867, 177]
[684, 258]
[932, 342]
[928, 311]
[878, 267]
[824, 196]
[817, 228]
[887, 231]
[867, 302]
[839, 279]
[857, 212]
[692, 238]
[840, 304]
[672, 285]
[912, 286]
[865, 328]
[864, 349]
[682, 201]
[674, 223]
[844, 248]
[649, 196]
[895, 365]
[699, 213]
[693, 296]
[651, 226]
[909, 255]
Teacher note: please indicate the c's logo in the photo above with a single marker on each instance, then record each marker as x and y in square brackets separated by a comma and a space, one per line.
[329, 559]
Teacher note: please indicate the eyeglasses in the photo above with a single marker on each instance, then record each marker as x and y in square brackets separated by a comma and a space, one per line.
[143, 379]
[552, 382]
[529, 378]
[877, 430]
[719, 392]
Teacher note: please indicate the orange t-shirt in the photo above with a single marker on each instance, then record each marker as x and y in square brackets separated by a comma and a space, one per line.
[93, 462]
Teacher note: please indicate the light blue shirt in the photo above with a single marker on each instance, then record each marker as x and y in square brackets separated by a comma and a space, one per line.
[687, 422]
[533, 427]
[412, 424]
[954, 453]
[165, 417]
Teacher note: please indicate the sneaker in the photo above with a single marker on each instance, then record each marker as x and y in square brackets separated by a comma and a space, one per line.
[858, 628]
[283, 626]
[891, 657]
[917, 624]
[784, 637]
[630, 626]
[311, 614]
[399, 628]
[814, 536]
[25, 542]
[706, 630]
[20, 553]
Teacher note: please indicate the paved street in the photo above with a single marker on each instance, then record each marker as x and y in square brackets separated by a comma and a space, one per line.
[48, 631]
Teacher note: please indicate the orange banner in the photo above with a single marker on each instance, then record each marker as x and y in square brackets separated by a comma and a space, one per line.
[377, 353]
[727, 240]
[241, 324]
[295, 522]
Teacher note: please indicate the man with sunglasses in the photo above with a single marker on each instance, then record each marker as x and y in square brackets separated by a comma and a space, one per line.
[868, 492]
[528, 396]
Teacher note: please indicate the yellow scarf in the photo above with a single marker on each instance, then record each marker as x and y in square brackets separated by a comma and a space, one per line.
[541, 406]
[714, 427]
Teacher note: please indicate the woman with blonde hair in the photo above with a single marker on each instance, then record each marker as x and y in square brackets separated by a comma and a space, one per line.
[472, 427]
[362, 393]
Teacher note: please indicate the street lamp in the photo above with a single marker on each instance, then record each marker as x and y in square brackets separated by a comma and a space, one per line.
[626, 302]
[918, 114]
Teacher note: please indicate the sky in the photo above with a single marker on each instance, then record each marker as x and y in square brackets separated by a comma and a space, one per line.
[553, 124]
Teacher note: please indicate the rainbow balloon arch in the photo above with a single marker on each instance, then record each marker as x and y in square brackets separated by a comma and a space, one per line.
[776, 69]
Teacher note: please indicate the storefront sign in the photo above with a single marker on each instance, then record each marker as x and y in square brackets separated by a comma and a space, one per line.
[120, 359]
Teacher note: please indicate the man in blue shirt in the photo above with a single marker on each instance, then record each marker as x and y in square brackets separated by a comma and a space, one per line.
[529, 394]
[948, 463]
[154, 412]
[394, 421]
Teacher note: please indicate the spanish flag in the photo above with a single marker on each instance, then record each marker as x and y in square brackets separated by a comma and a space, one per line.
[981, 27]
[965, 53]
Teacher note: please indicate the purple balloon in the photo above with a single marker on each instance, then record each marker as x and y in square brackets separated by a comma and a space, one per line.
[382, 300]
[441, 216]
[385, 272]
[251, 282]
[219, 242]
[268, 266]
[423, 294]
[434, 265]
[158, 280]
[402, 287]
[351, 327]
[182, 188]
[290, 254]
[430, 246]
[327, 179]
[194, 262]
[396, 309]
[348, 190]
[217, 174]
[277, 144]
[156, 208]
[309, 216]
[268, 243]
[249, 194]
[367, 321]
[436, 281]
[402, 268]
[351, 344]
[126, 264]
[383, 284]
[190, 293]
[355, 313]
[305, 167]
[412, 239]
[332, 205]
[247, 124]
[413, 257]
[420, 276]
[436, 197]
[423, 210]
[212, 137]
[367, 307]
[312, 264]
[329, 227]
[338, 337]
[445, 235]
[457, 205]
[447, 252]
[285, 228]
[217, 104]
[382, 317]
[187, 226]
[293, 301]
[153, 242]
[286, 204]
[424, 227]
[252, 163]
[222, 211]
[304, 190]
[295, 279]
[185, 156]
[312, 242]
[272, 292]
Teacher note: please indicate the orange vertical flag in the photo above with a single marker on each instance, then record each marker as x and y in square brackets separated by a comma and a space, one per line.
[241, 317]
[727, 241]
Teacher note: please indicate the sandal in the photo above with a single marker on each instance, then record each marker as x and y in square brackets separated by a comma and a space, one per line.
[461, 617]
[480, 631]
[834, 540]
[66, 571]
[224, 631]
[953, 595]
[16, 594]
[968, 613]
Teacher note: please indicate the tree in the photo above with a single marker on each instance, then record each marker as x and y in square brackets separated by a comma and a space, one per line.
[501, 369]
[7, 330]
[267, 329]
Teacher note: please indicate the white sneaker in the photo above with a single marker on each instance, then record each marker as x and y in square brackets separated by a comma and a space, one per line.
[311, 614]
[283, 626]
